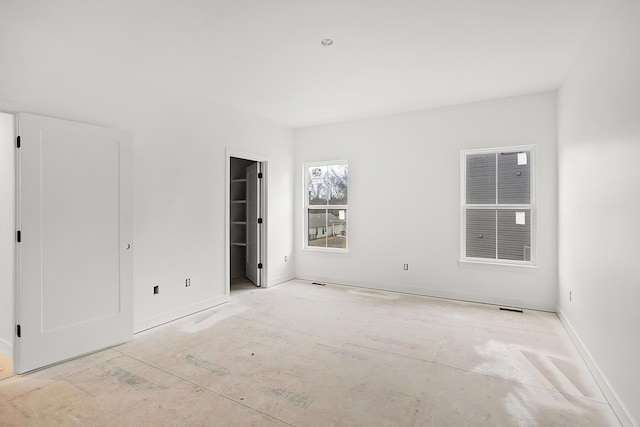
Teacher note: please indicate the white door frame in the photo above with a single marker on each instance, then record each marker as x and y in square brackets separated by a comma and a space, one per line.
[8, 347]
[231, 152]
[14, 109]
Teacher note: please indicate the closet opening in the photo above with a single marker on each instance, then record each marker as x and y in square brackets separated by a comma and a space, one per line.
[246, 221]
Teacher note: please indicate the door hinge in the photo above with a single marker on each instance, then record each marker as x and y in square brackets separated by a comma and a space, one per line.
[18, 331]
[259, 265]
[259, 175]
[19, 236]
[18, 141]
[259, 220]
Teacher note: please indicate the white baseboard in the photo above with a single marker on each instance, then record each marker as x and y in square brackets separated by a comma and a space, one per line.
[169, 316]
[427, 292]
[6, 348]
[608, 391]
[277, 280]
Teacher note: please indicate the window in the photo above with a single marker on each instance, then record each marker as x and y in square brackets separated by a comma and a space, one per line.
[325, 205]
[498, 205]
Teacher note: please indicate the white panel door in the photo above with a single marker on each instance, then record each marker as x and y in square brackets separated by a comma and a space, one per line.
[74, 260]
[253, 227]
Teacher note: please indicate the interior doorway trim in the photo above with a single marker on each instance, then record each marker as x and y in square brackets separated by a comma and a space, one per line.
[231, 152]
[7, 231]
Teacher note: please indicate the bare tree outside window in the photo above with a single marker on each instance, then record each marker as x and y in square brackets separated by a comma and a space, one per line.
[328, 184]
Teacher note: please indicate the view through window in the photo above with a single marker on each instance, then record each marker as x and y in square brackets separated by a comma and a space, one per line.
[326, 205]
[498, 205]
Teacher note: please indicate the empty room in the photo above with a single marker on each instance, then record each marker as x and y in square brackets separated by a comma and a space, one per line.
[339, 213]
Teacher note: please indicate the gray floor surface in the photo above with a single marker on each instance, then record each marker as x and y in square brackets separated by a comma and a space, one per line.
[305, 355]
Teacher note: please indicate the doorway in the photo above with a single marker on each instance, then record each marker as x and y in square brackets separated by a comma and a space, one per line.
[246, 240]
[7, 241]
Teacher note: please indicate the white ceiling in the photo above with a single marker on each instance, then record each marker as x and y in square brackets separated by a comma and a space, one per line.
[265, 56]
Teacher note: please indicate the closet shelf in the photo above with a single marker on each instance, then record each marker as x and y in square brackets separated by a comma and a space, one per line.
[238, 201]
[239, 222]
[238, 244]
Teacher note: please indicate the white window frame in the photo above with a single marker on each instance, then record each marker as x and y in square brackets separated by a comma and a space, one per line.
[306, 206]
[532, 206]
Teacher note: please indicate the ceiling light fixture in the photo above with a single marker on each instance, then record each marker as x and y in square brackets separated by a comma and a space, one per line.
[326, 42]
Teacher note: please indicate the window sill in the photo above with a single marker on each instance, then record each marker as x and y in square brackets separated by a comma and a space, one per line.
[497, 263]
[326, 250]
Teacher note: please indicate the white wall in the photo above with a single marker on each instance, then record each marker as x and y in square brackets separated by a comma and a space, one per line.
[405, 180]
[179, 207]
[180, 136]
[599, 154]
[7, 232]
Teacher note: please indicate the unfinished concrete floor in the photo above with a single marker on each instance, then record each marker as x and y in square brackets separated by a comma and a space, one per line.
[306, 355]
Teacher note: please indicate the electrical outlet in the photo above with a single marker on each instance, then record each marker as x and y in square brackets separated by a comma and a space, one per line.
[187, 282]
[406, 267]
[156, 290]
[285, 258]
[570, 295]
